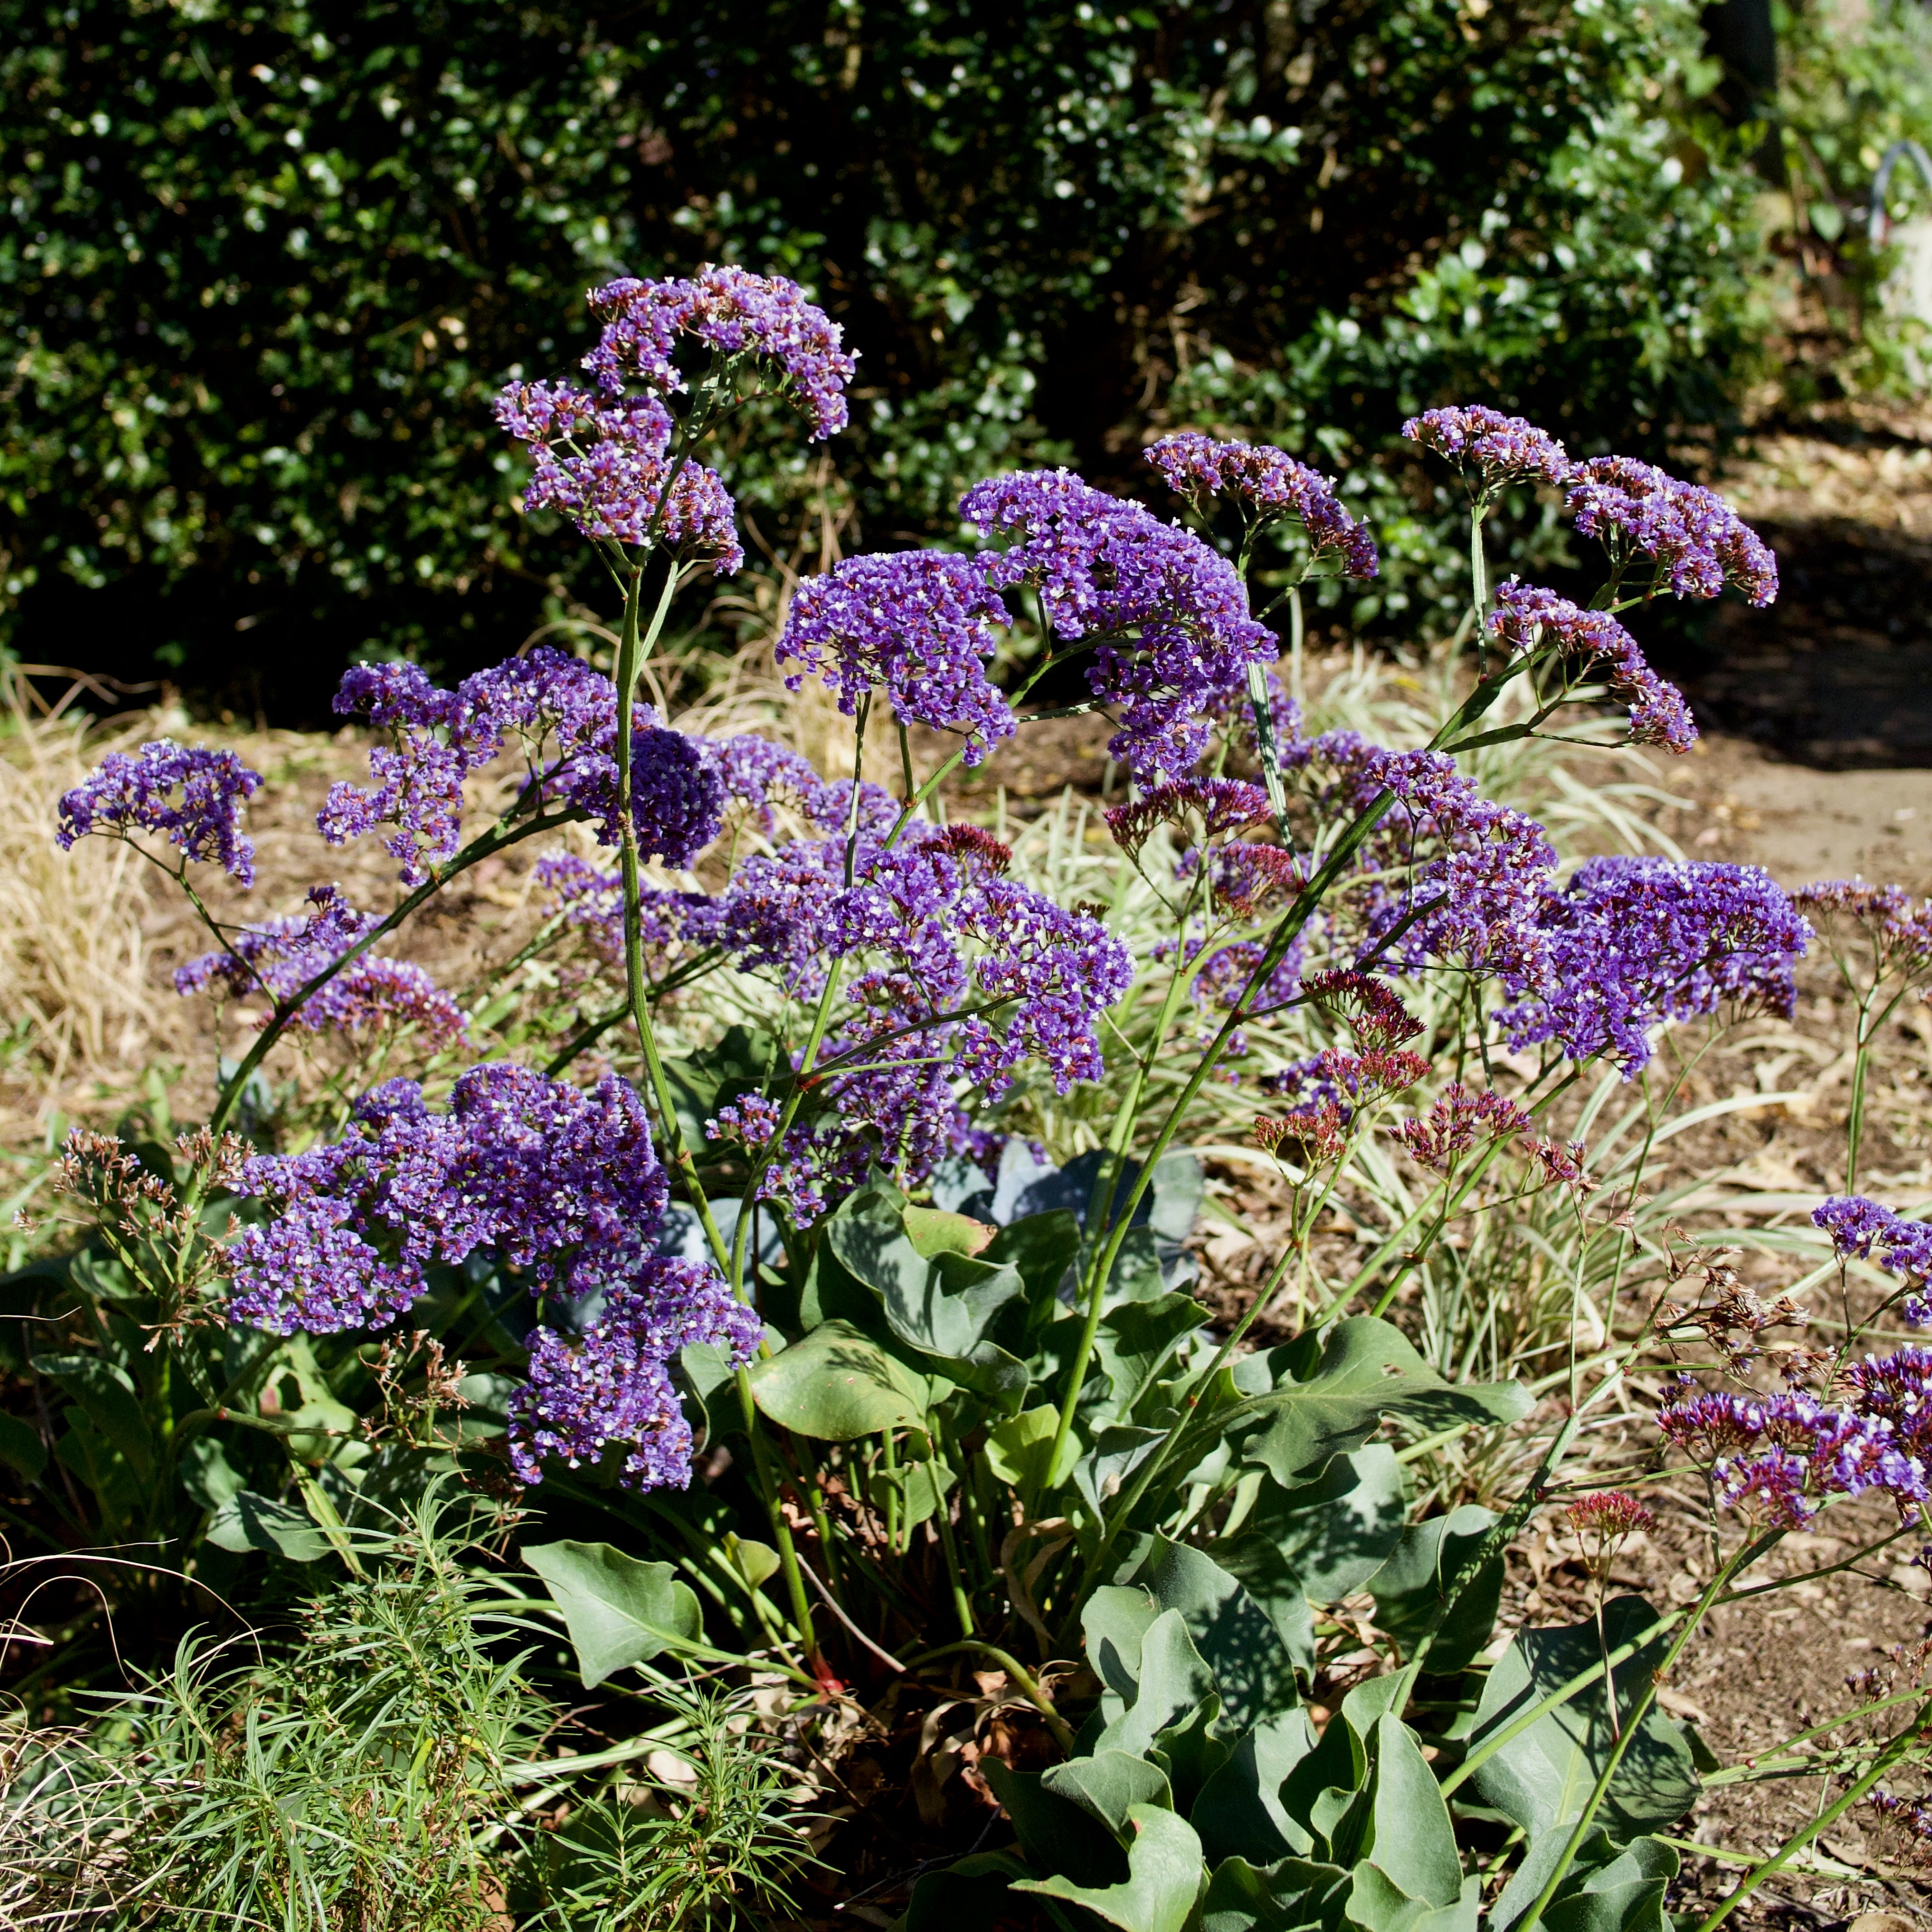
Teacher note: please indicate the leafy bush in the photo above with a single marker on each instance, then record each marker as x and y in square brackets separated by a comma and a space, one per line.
[266, 264]
[907, 1378]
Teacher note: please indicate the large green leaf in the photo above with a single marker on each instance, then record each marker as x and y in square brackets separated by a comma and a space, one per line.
[1367, 1370]
[969, 1895]
[1541, 1778]
[837, 1384]
[1018, 1446]
[1605, 1889]
[618, 1609]
[105, 1396]
[1411, 1588]
[942, 1305]
[21, 1448]
[1105, 1787]
[246, 1521]
[1118, 1451]
[1412, 1842]
[1042, 1247]
[1115, 1625]
[1136, 1341]
[1164, 1877]
[1291, 1895]
[1254, 1675]
[1174, 1682]
[1057, 1831]
[1377, 1904]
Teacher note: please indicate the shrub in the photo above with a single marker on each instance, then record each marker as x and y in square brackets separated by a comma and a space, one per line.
[266, 263]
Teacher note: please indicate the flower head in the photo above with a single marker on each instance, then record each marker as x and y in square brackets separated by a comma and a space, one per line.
[1696, 542]
[918, 623]
[1490, 448]
[732, 313]
[1270, 486]
[193, 794]
[1595, 644]
[1896, 930]
[1217, 805]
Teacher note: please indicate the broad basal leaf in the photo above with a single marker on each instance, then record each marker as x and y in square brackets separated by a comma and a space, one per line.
[1604, 1891]
[248, 1521]
[618, 1609]
[105, 1395]
[837, 1384]
[1165, 1878]
[1411, 1588]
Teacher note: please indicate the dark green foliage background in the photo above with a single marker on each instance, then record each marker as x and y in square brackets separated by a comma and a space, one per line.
[264, 265]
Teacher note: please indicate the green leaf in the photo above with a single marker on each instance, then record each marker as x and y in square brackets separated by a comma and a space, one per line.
[1254, 1676]
[618, 1609]
[1115, 1625]
[1240, 1811]
[1412, 1842]
[1106, 1786]
[21, 1447]
[1136, 1340]
[1367, 1370]
[1377, 1904]
[1409, 1588]
[1057, 1831]
[941, 1307]
[1174, 1681]
[1042, 1247]
[1017, 1448]
[105, 1395]
[1604, 1891]
[82, 1449]
[206, 1473]
[1164, 1878]
[837, 1385]
[921, 1487]
[1289, 1895]
[933, 1231]
[757, 1563]
[1118, 1451]
[969, 1895]
[1541, 1778]
[248, 1521]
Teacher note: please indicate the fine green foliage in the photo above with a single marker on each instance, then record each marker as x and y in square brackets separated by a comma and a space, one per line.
[266, 264]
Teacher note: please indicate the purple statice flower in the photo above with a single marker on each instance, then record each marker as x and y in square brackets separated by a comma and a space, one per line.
[591, 902]
[1170, 617]
[1696, 542]
[561, 713]
[606, 467]
[1269, 486]
[1217, 804]
[1490, 448]
[1595, 645]
[1861, 1228]
[755, 772]
[1447, 877]
[1636, 942]
[1242, 880]
[611, 1386]
[733, 313]
[1373, 1011]
[281, 956]
[1897, 929]
[1331, 1091]
[919, 624]
[193, 794]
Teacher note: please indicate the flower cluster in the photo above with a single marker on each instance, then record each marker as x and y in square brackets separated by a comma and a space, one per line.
[1372, 1010]
[1898, 931]
[1862, 1228]
[1781, 1456]
[1696, 542]
[1269, 486]
[1245, 879]
[1490, 448]
[193, 794]
[611, 1386]
[1459, 1121]
[1217, 805]
[1332, 1089]
[1610, 1514]
[732, 313]
[281, 956]
[607, 467]
[561, 713]
[1595, 645]
[1633, 942]
[1104, 569]
[919, 624]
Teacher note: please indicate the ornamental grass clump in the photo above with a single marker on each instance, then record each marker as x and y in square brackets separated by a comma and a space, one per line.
[802, 1222]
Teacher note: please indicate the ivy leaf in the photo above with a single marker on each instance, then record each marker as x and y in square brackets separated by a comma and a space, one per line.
[1164, 1878]
[1540, 1779]
[617, 1610]
[1367, 1370]
[837, 1384]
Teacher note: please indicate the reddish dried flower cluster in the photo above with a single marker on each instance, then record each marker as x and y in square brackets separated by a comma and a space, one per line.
[1221, 805]
[1610, 1514]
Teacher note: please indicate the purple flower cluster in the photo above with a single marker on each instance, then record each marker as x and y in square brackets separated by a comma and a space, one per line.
[733, 313]
[281, 956]
[611, 1386]
[193, 794]
[561, 713]
[1696, 542]
[1490, 448]
[1270, 486]
[958, 976]
[561, 1185]
[918, 623]
[1217, 804]
[1897, 930]
[1447, 877]
[1104, 569]
[1861, 1228]
[1780, 1456]
[1634, 942]
[605, 465]
[1595, 644]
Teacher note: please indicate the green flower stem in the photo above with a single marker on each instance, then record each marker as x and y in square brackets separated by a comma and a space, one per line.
[1479, 580]
[1023, 1680]
[962, 1604]
[1297, 637]
[1894, 1753]
[1746, 1554]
